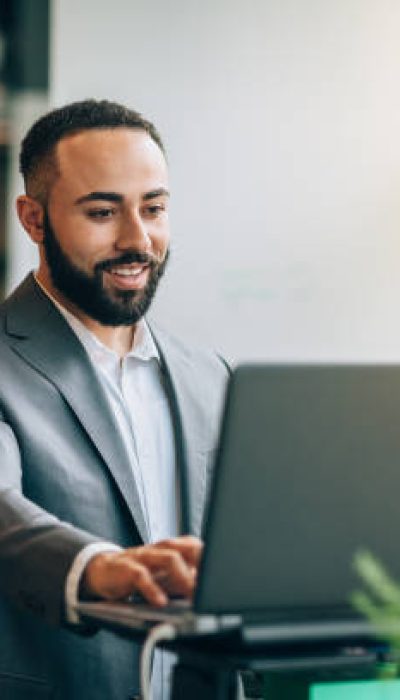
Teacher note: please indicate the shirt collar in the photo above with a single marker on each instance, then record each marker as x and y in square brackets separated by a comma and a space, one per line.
[143, 345]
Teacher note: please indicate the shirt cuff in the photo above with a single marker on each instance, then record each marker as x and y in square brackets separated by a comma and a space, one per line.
[75, 574]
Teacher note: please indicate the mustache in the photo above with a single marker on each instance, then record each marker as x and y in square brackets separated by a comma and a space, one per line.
[128, 259]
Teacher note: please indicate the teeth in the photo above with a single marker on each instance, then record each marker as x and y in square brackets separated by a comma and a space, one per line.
[127, 272]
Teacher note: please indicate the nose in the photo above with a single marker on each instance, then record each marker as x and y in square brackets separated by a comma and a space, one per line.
[133, 234]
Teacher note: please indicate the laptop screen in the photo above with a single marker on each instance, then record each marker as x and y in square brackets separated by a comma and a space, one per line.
[307, 473]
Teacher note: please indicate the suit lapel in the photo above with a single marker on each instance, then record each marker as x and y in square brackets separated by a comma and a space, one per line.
[193, 415]
[43, 338]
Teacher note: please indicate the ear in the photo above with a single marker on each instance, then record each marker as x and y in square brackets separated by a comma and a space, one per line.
[31, 214]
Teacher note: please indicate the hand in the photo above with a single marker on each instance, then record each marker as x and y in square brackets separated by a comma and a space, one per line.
[155, 571]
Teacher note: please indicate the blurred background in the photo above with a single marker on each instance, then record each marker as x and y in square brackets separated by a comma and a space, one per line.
[282, 123]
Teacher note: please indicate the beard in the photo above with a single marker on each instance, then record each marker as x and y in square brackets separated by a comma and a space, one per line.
[87, 292]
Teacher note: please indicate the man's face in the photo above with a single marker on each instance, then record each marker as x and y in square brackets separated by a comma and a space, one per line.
[106, 230]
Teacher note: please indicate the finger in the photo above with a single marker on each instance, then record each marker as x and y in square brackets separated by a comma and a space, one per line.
[144, 583]
[117, 576]
[189, 547]
[169, 569]
[174, 584]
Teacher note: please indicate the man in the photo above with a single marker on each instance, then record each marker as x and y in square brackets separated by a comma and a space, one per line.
[107, 425]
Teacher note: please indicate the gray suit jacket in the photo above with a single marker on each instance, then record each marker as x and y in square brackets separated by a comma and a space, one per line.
[65, 481]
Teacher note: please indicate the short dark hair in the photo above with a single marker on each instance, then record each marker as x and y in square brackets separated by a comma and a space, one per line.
[37, 161]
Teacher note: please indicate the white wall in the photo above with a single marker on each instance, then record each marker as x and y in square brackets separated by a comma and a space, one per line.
[24, 108]
[282, 120]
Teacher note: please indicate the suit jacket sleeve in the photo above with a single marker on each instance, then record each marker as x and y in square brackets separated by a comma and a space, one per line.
[36, 549]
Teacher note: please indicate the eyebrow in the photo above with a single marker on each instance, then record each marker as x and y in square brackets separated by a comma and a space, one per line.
[118, 198]
[94, 196]
[160, 192]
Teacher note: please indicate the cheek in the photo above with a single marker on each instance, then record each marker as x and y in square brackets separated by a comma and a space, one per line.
[85, 247]
[160, 240]
[84, 244]
[80, 250]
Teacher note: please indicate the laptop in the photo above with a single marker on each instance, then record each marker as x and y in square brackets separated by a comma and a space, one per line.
[307, 473]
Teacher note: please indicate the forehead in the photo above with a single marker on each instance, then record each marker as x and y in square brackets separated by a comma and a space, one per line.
[120, 160]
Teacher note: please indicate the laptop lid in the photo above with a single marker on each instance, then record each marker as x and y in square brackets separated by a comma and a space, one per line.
[307, 473]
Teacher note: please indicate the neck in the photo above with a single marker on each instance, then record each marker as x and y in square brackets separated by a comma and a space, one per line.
[117, 338]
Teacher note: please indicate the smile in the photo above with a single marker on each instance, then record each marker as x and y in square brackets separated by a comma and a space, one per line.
[129, 277]
[127, 272]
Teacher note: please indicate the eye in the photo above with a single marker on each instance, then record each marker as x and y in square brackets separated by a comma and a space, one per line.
[156, 209]
[101, 213]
